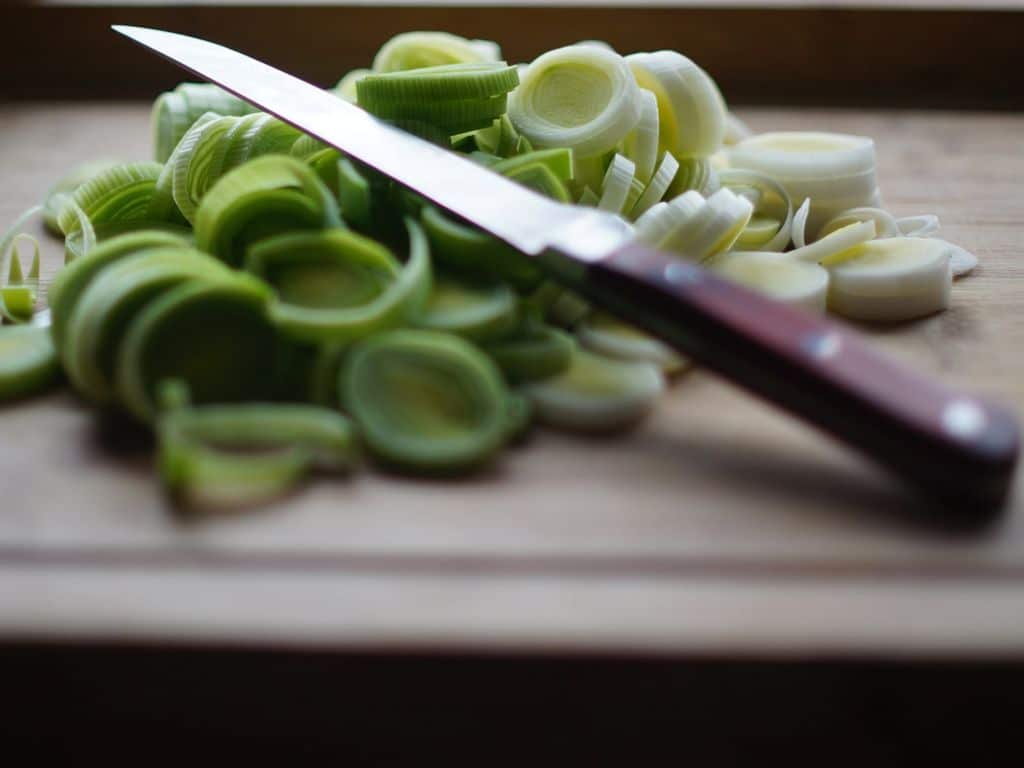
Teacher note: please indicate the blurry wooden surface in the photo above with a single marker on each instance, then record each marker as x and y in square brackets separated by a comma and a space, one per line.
[720, 526]
[945, 55]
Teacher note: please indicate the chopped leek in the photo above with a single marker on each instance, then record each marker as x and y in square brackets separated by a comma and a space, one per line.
[28, 361]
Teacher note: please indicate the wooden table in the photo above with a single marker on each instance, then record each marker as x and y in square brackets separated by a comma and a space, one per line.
[721, 527]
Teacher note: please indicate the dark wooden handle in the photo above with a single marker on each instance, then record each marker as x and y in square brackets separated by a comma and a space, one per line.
[953, 447]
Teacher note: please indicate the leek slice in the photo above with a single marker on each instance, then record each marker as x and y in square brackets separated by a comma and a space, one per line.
[339, 286]
[214, 335]
[658, 186]
[729, 216]
[346, 87]
[663, 221]
[417, 50]
[961, 261]
[67, 184]
[226, 455]
[589, 198]
[798, 283]
[641, 144]
[807, 155]
[774, 204]
[425, 401]
[836, 246]
[695, 173]
[536, 351]
[451, 115]
[74, 246]
[616, 185]
[451, 82]
[607, 335]
[475, 312]
[107, 307]
[558, 161]
[581, 97]
[71, 282]
[28, 361]
[691, 111]
[120, 193]
[893, 279]
[354, 194]
[475, 253]
[596, 394]
[918, 226]
[539, 176]
[886, 224]
[266, 196]
[174, 112]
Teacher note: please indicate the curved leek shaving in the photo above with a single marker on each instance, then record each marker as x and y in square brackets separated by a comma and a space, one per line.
[658, 185]
[121, 193]
[886, 224]
[71, 282]
[897, 278]
[338, 286]
[836, 246]
[475, 312]
[74, 246]
[776, 275]
[424, 400]
[214, 335]
[264, 197]
[28, 361]
[175, 111]
[227, 455]
[581, 97]
[109, 305]
[690, 108]
[596, 394]
[773, 212]
[918, 226]
[416, 50]
[608, 336]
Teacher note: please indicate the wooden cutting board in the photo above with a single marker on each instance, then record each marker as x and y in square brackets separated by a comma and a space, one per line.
[719, 526]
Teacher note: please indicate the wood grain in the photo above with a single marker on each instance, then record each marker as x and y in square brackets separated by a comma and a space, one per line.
[720, 524]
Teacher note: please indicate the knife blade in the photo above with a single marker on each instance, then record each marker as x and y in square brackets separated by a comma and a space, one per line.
[954, 448]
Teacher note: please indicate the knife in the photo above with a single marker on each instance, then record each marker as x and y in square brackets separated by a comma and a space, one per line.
[955, 449]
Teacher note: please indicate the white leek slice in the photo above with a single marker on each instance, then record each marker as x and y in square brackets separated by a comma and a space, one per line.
[961, 261]
[690, 108]
[641, 144]
[415, 50]
[918, 226]
[658, 185]
[596, 393]
[799, 230]
[616, 185]
[732, 213]
[665, 220]
[609, 336]
[760, 231]
[581, 96]
[886, 225]
[835, 247]
[775, 203]
[893, 279]
[774, 274]
[805, 154]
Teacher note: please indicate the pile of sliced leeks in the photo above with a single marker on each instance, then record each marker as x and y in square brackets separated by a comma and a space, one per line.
[270, 307]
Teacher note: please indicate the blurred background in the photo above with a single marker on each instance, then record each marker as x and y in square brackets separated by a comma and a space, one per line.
[902, 53]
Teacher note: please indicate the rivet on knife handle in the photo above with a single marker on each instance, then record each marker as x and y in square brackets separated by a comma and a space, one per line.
[954, 448]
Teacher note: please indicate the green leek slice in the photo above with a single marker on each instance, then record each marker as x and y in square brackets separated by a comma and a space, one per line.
[425, 401]
[338, 286]
[473, 311]
[450, 82]
[174, 112]
[581, 97]
[28, 361]
[558, 161]
[120, 193]
[212, 334]
[227, 455]
[107, 307]
[540, 177]
[596, 394]
[355, 195]
[266, 196]
[417, 50]
[475, 253]
[72, 281]
[536, 351]
[67, 184]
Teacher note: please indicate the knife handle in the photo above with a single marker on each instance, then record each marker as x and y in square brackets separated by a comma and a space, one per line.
[956, 449]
